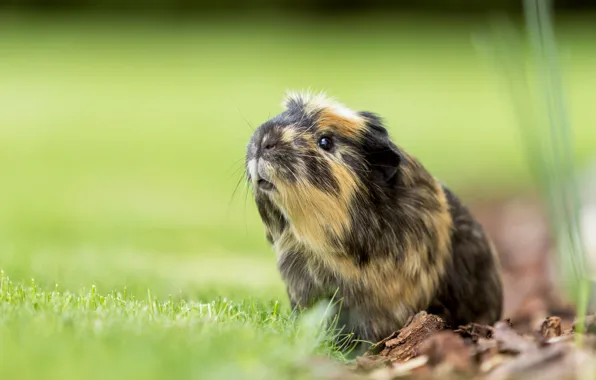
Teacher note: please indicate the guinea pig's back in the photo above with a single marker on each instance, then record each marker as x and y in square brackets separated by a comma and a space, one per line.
[471, 289]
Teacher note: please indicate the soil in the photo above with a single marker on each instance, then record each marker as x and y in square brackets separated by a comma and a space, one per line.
[535, 339]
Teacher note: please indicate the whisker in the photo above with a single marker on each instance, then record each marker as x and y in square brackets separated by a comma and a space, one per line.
[241, 168]
[246, 120]
[243, 176]
[247, 188]
[237, 162]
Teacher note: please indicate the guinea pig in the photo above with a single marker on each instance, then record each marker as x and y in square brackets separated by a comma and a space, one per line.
[353, 216]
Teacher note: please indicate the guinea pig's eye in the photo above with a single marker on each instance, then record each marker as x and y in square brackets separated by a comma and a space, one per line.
[325, 143]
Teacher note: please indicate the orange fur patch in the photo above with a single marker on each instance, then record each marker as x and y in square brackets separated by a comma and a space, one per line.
[348, 127]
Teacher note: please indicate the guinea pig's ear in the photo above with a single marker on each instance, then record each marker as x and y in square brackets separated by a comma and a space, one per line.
[382, 155]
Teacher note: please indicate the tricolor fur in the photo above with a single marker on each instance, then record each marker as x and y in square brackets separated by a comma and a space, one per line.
[366, 221]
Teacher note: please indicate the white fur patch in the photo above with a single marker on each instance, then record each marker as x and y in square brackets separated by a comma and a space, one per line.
[252, 170]
[313, 102]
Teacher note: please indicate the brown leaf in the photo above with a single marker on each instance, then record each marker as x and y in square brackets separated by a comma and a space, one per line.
[550, 327]
[405, 345]
[475, 331]
[509, 341]
[370, 363]
[415, 368]
[535, 364]
[447, 351]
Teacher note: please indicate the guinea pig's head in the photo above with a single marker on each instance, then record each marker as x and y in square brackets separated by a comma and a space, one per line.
[317, 160]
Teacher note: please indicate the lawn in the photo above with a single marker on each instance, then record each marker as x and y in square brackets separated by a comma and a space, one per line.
[121, 142]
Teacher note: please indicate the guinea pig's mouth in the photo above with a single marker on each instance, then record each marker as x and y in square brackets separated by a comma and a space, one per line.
[265, 185]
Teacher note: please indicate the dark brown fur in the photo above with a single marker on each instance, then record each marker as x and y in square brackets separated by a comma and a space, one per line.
[365, 221]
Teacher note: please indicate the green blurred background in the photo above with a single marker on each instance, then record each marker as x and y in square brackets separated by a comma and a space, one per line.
[122, 135]
[123, 126]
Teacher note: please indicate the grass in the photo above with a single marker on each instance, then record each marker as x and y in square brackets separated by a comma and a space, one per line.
[120, 145]
[93, 336]
[560, 184]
